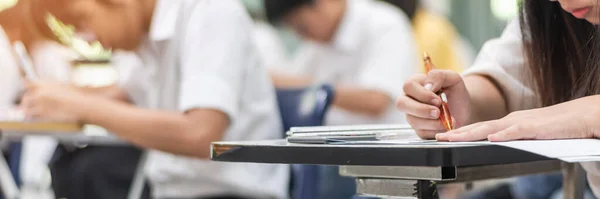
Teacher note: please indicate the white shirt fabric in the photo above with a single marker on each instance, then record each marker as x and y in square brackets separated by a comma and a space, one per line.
[51, 61]
[373, 48]
[269, 44]
[502, 60]
[199, 55]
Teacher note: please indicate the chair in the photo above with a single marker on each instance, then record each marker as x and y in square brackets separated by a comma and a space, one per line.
[304, 107]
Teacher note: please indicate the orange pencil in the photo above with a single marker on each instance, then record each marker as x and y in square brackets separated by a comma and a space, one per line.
[444, 110]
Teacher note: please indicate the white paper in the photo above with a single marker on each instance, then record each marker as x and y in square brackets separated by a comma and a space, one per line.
[558, 148]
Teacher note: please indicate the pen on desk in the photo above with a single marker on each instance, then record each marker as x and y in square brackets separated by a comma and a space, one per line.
[444, 109]
[25, 61]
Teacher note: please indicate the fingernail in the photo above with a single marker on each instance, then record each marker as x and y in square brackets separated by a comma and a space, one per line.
[435, 101]
[429, 86]
[435, 114]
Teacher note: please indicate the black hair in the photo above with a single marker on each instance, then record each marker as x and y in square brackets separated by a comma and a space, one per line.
[560, 52]
[408, 6]
[275, 10]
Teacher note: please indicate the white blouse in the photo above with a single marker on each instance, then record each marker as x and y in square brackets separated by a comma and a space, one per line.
[502, 59]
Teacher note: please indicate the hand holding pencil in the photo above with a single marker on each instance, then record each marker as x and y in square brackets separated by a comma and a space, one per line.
[435, 102]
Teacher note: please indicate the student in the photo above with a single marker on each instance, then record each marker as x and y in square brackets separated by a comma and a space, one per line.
[364, 48]
[201, 82]
[543, 73]
[427, 27]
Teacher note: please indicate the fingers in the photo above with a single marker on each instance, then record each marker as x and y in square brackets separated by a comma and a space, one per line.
[515, 132]
[417, 109]
[427, 134]
[417, 91]
[474, 132]
[439, 79]
[425, 124]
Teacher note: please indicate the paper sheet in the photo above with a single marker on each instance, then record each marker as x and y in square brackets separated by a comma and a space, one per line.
[575, 150]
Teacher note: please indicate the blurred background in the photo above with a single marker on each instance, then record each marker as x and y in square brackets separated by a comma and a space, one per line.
[476, 21]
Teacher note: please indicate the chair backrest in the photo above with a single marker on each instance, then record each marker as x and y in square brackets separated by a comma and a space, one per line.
[304, 106]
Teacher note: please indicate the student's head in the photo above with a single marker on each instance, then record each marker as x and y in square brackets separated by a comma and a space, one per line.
[119, 24]
[561, 45]
[316, 20]
[409, 7]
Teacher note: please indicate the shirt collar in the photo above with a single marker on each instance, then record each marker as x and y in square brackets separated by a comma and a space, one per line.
[346, 37]
[164, 19]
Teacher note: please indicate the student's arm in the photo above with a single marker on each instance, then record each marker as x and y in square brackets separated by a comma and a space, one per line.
[188, 133]
[282, 80]
[114, 92]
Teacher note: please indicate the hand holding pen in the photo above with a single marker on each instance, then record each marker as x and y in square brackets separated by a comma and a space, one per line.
[435, 102]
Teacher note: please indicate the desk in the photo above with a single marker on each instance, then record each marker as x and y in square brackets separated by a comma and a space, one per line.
[405, 171]
[9, 187]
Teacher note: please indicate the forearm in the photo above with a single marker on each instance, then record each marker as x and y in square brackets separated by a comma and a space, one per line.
[359, 100]
[111, 92]
[487, 101]
[289, 81]
[162, 130]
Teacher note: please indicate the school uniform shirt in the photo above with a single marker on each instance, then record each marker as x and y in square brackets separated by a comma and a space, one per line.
[199, 54]
[10, 77]
[373, 48]
[51, 61]
[502, 60]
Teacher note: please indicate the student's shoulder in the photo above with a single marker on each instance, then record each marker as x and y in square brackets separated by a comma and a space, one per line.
[221, 11]
[383, 16]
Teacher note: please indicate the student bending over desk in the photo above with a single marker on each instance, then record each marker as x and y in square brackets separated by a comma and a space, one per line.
[201, 82]
[539, 80]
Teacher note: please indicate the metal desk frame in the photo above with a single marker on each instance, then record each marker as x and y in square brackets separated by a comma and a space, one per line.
[393, 171]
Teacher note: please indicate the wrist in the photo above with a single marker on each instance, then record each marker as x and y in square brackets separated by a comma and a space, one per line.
[83, 106]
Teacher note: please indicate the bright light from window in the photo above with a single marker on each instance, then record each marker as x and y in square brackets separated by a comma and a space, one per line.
[505, 9]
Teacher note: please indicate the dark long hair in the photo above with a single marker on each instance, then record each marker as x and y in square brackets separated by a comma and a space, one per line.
[560, 52]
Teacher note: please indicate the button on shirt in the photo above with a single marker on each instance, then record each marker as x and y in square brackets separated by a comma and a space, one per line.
[502, 60]
[373, 48]
[199, 54]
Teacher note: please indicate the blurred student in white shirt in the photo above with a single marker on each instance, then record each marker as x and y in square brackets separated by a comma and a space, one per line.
[364, 48]
[201, 82]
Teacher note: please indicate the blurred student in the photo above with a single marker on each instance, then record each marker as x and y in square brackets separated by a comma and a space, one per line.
[364, 48]
[434, 34]
[201, 82]
[52, 62]
[542, 71]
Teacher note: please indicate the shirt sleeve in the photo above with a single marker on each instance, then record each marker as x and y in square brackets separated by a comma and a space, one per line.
[216, 51]
[389, 61]
[502, 60]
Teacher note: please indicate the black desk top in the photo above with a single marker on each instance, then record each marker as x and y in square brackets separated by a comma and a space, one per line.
[280, 151]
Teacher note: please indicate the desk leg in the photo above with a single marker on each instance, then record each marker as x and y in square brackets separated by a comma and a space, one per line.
[9, 187]
[395, 188]
[573, 180]
[138, 183]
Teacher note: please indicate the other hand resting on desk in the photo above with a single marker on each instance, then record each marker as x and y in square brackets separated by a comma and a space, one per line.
[570, 120]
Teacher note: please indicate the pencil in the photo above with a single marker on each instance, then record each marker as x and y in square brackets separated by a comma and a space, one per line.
[26, 63]
[445, 116]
